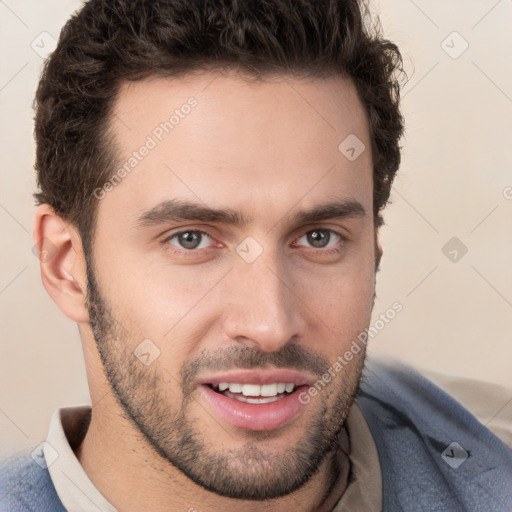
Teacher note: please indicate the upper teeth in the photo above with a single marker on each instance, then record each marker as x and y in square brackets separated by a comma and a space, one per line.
[257, 390]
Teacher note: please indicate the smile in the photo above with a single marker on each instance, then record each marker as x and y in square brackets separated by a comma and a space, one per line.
[254, 393]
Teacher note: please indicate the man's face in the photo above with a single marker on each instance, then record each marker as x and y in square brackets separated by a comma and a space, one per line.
[269, 291]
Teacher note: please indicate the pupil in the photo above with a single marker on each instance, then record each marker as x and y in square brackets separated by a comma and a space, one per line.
[319, 238]
[189, 240]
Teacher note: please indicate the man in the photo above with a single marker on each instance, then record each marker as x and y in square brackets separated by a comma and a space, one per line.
[212, 177]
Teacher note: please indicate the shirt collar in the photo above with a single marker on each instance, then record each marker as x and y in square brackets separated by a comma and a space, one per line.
[78, 494]
[76, 491]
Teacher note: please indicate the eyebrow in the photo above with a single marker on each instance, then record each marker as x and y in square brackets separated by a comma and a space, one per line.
[179, 210]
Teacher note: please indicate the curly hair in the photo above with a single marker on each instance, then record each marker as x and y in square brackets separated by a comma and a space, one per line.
[106, 43]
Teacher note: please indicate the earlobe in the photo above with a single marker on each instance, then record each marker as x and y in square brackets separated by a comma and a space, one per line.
[62, 262]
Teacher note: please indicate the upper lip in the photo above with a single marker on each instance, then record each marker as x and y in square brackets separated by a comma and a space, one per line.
[260, 377]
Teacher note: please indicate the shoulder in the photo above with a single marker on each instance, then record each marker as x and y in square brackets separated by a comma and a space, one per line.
[433, 452]
[489, 402]
[26, 485]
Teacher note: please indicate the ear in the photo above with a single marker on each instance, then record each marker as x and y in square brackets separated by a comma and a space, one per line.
[62, 263]
[378, 250]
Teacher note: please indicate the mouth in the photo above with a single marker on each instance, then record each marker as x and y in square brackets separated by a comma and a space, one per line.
[255, 400]
[254, 393]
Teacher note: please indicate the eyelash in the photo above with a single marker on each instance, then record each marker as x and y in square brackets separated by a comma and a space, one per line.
[192, 252]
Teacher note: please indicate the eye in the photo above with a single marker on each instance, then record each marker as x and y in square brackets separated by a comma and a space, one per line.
[320, 238]
[190, 240]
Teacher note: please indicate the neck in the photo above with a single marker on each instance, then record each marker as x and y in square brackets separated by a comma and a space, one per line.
[118, 459]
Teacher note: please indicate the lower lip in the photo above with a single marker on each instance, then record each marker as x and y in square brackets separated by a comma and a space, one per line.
[255, 416]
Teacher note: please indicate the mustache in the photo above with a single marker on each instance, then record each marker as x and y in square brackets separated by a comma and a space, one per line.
[291, 356]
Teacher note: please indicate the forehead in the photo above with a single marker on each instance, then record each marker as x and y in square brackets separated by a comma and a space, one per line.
[255, 145]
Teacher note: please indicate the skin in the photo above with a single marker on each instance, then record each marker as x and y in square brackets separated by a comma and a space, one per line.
[267, 150]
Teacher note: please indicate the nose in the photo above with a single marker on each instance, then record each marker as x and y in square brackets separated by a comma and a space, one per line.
[265, 308]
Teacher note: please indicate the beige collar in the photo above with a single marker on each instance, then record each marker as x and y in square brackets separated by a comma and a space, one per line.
[78, 493]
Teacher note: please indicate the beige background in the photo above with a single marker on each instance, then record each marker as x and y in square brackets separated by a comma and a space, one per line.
[457, 165]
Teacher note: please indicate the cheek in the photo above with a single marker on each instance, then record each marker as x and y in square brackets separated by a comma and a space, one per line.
[347, 287]
[170, 305]
[343, 301]
[345, 310]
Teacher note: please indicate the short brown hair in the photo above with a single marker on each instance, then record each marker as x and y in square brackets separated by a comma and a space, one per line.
[108, 42]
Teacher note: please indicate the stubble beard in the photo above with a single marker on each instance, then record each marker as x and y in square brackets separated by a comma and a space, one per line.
[249, 472]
